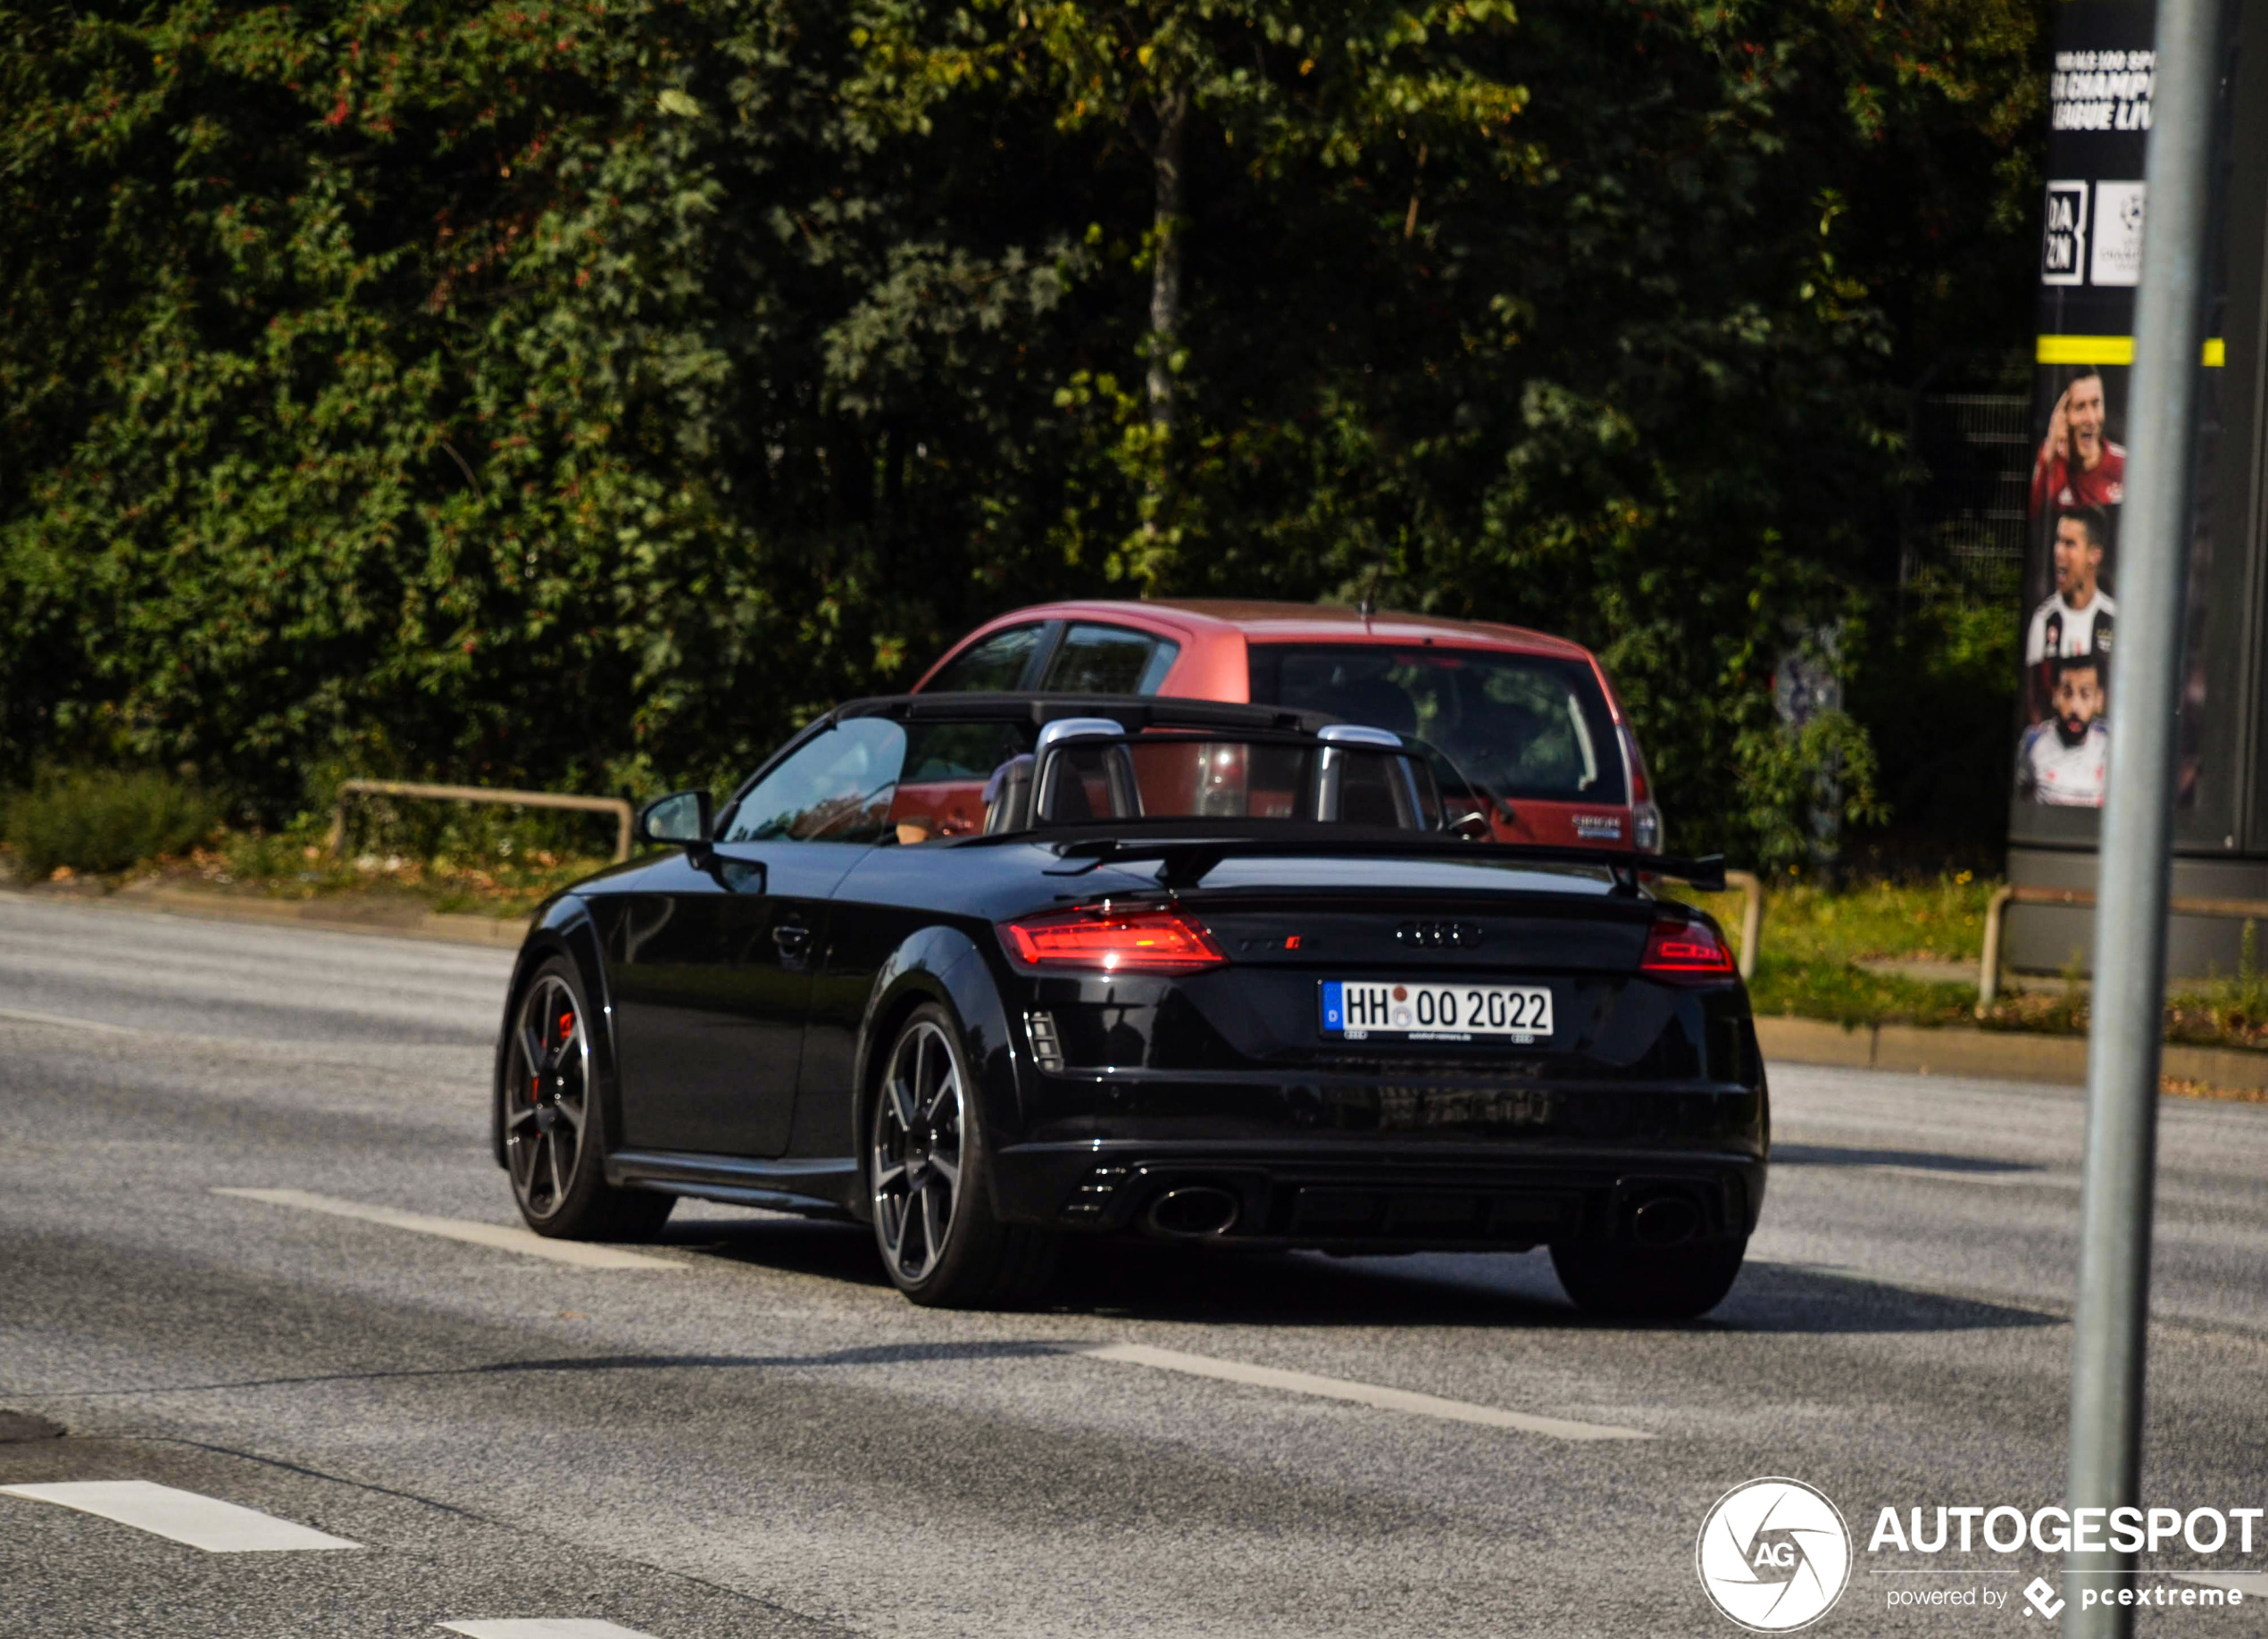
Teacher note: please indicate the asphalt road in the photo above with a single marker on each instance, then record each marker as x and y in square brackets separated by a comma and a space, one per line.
[763, 1438]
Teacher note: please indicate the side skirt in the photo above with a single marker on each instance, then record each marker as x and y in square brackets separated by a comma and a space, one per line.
[825, 1187]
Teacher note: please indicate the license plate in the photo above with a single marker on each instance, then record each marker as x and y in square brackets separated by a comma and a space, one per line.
[1404, 1011]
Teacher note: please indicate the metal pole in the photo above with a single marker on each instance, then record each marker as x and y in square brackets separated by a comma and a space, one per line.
[2109, 1336]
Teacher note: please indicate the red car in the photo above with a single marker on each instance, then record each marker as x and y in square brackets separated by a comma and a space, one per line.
[1530, 720]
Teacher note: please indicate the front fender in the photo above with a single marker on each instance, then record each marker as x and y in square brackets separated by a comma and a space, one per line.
[562, 928]
[942, 965]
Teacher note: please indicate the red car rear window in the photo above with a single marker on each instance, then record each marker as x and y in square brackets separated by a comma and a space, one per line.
[1522, 725]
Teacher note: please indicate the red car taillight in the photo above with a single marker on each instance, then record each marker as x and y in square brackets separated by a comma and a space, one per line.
[1686, 953]
[1108, 941]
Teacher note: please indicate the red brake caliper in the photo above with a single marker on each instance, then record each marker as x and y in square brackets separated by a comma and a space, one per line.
[536, 1083]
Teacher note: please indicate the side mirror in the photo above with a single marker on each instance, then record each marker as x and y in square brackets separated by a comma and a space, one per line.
[681, 819]
[1472, 826]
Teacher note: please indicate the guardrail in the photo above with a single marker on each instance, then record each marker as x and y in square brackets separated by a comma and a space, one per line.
[1996, 912]
[624, 815]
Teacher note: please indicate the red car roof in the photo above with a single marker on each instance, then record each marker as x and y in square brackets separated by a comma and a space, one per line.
[1265, 622]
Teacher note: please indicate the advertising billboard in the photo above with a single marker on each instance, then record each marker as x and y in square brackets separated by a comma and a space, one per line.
[2095, 211]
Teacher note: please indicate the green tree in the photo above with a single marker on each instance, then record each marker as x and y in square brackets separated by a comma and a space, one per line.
[578, 392]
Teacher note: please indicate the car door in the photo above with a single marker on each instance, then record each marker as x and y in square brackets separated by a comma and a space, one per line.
[947, 766]
[713, 985]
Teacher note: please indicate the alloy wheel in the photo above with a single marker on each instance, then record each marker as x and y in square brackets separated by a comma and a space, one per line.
[549, 1093]
[917, 1152]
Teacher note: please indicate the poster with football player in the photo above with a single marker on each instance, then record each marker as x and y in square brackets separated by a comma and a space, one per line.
[2077, 616]
[2063, 760]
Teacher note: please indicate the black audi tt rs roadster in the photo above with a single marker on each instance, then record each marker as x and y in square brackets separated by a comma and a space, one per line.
[989, 972]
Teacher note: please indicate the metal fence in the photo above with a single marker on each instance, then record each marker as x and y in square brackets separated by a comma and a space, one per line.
[614, 808]
[1968, 525]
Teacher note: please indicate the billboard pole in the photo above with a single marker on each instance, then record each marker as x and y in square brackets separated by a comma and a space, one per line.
[2109, 1335]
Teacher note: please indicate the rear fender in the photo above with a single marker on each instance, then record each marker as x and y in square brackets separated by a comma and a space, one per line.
[564, 928]
[942, 965]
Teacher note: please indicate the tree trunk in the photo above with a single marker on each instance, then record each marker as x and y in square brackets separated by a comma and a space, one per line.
[1165, 265]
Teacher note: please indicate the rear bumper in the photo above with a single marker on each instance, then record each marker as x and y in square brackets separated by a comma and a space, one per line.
[1382, 1197]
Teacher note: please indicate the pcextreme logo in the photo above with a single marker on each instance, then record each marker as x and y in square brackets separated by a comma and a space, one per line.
[1774, 1555]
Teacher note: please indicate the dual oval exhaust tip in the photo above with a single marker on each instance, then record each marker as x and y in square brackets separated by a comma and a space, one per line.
[1195, 1211]
[1199, 1212]
[1665, 1220]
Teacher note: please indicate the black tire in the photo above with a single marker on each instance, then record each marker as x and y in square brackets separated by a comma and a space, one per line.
[555, 1143]
[927, 1179]
[1649, 1283]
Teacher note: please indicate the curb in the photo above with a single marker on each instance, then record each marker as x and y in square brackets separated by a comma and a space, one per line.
[2003, 1054]
[326, 916]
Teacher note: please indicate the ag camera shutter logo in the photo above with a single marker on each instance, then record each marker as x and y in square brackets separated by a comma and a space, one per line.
[1774, 1555]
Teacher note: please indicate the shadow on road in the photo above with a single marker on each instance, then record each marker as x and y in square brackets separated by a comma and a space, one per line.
[876, 1354]
[1135, 1280]
[1833, 1155]
[1796, 1298]
[797, 1246]
[1504, 1290]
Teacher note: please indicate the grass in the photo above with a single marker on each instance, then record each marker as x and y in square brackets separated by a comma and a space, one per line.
[1940, 921]
[508, 883]
[1815, 939]
[1816, 944]
[463, 859]
[94, 822]
[97, 833]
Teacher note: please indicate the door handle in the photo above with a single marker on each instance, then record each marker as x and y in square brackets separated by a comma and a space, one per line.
[791, 938]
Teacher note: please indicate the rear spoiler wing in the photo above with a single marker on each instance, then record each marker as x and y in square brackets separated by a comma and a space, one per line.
[1188, 859]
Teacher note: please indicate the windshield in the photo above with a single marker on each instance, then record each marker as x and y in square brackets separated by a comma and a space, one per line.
[1521, 725]
[869, 779]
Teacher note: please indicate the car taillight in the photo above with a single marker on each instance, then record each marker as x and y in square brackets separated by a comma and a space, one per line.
[1107, 941]
[1645, 814]
[1686, 953]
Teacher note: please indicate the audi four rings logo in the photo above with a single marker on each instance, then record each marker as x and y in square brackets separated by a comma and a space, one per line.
[1774, 1555]
[1458, 935]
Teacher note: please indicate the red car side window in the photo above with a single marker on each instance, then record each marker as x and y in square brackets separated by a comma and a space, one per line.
[994, 666]
[1109, 660]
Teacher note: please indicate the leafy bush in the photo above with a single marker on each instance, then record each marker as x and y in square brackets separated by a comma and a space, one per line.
[577, 395]
[102, 820]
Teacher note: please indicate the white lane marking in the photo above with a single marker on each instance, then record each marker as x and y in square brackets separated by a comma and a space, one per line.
[1361, 1393]
[182, 1516]
[62, 1022]
[544, 1628]
[582, 1255]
